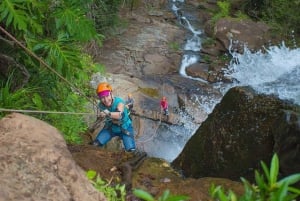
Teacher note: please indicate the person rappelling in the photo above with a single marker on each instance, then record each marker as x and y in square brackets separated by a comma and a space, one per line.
[117, 121]
[164, 106]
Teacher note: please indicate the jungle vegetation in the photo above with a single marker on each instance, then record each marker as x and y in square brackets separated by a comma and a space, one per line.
[46, 57]
[45, 65]
[45, 62]
[282, 15]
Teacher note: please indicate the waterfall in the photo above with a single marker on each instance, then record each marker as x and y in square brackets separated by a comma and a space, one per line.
[276, 71]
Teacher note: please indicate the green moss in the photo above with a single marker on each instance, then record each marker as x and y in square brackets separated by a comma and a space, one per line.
[207, 42]
[224, 57]
[240, 15]
[223, 12]
[150, 92]
[206, 58]
[174, 46]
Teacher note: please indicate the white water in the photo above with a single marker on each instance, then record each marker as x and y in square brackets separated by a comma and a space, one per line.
[275, 72]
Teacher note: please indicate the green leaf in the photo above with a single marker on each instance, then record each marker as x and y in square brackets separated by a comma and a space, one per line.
[91, 174]
[222, 196]
[213, 191]
[37, 100]
[143, 195]
[292, 179]
[13, 12]
[165, 195]
[73, 19]
[177, 198]
[294, 190]
[274, 169]
[259, 180]
[266, 170]
[232, 196]
[280, 194]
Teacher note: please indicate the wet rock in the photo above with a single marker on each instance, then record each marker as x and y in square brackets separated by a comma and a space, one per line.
[248, 33]
[243, 129]
[199, 70]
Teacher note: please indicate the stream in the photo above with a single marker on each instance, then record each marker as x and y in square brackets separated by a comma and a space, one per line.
[275, 72]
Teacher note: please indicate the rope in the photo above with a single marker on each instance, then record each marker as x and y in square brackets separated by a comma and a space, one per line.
[151, 137]
[155, 133]
[45, 64]
[41, 111]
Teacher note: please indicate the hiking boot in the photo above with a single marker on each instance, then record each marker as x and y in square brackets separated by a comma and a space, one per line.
[137, 152]
[94, 143]
[131, 150]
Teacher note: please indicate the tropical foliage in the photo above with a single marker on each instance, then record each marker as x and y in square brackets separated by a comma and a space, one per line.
[113, 193]
[267, 188]
[47, 38]
[282, 15]
[223, 10]
[166, 196]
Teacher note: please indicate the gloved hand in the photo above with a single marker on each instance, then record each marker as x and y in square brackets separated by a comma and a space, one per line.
[104, 113]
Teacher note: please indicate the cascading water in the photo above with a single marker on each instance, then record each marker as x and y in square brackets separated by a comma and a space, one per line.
[193, 44]
[277, 71]
[274, 72]
[169, 140]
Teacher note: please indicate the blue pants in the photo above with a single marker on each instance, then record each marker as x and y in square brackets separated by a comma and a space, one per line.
[105, 135]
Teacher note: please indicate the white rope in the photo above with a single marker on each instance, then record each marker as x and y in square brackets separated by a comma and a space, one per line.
[41, 111]
[142, 142]
[151, 137]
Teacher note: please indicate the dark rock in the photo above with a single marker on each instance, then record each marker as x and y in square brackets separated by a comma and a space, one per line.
[244, 129]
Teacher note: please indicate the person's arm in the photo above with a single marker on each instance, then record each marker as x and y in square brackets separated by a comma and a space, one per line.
[116, 114]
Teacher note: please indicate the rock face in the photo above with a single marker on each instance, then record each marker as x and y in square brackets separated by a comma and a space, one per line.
[254, 35]
[35, 164]
[244, 129]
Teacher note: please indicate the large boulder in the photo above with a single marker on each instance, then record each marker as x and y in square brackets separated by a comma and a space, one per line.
[254, 35]
[35, 164]
[244, 129]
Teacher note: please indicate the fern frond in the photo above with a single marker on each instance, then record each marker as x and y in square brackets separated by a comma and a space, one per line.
[61, 53]
[13, 13]
[75, 22]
